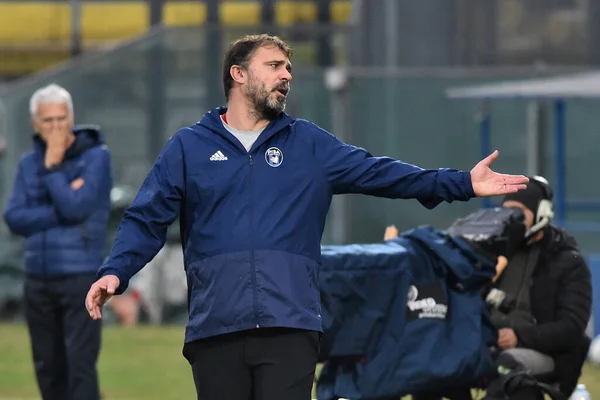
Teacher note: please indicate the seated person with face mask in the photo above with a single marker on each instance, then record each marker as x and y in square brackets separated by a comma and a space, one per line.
[541, 304]
[543, 298]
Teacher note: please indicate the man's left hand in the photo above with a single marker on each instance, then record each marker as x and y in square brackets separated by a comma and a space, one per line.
[507, 339]
[488, 183]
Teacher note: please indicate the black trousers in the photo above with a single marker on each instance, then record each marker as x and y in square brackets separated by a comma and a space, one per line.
[262, 364]
[65, 341]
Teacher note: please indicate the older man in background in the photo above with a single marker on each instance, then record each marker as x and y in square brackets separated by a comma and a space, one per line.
[60, 204]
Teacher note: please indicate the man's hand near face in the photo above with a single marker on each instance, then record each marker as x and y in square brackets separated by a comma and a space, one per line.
[56, 146]
[77, 184]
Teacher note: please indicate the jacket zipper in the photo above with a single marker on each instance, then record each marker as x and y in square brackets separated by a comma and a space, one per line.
[85, 236]
[252, 264]
[44, 272]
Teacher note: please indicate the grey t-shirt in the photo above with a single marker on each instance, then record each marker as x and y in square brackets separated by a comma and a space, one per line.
[246, 138]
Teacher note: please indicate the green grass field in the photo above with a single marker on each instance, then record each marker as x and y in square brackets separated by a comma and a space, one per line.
[136, 363]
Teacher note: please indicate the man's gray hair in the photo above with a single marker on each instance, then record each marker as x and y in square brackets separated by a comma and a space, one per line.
[51, 94]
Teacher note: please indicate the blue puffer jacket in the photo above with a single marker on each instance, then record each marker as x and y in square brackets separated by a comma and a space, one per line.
[252, 221]
[64, 230]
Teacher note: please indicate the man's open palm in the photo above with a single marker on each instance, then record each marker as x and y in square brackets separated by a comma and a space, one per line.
[489, 183]
[102, 290]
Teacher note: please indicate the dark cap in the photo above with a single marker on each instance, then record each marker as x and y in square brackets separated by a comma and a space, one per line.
[530, 197]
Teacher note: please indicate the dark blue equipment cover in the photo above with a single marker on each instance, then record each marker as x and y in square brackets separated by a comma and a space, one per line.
[403, 316]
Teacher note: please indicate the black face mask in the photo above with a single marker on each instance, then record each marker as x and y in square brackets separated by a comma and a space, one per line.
[495, 231]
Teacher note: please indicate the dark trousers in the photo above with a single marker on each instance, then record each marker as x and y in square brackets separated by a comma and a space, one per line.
[262, 364]
[65, 341]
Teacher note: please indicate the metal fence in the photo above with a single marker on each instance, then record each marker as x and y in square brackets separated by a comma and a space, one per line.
[400, 33]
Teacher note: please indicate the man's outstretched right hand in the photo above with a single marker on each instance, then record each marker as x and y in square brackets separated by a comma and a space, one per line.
[102, 290]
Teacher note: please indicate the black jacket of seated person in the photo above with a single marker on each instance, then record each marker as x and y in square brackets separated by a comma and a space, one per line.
[560, 301]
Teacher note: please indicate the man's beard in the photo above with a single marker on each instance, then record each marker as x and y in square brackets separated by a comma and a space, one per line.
[264, 106]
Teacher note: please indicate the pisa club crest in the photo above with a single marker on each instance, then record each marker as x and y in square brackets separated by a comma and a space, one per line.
[274, 157]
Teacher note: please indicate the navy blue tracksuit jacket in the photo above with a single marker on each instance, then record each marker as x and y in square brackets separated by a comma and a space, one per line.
[252, 222]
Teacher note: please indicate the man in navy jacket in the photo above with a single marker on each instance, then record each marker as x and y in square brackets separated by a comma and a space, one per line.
[252, 187]
[60, 204]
